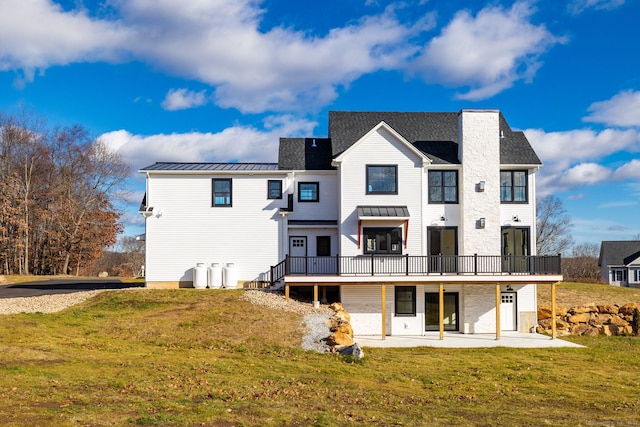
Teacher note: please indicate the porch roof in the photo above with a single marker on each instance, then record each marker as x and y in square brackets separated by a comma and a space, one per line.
[383, 212]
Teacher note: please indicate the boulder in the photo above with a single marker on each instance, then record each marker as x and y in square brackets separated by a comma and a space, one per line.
[627, 309]
[587, 308]
[607, 308]
[103, 274]
[2, 280]
[627, 330]
[592, 332]
[339, 339]
[618, 321]
[579, 329]
[599, 319]
[610, 330]
[352, 350]
[582, 317]
[544, 311]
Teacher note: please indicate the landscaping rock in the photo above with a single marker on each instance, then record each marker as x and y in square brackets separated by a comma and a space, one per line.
[627, 309]
[579, 318]
[590, 320]
[609, 309]
[352, 350]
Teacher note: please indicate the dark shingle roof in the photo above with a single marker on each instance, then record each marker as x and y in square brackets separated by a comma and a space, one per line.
[178, 166]
[435, 134]
[619, 253]
[304, 154]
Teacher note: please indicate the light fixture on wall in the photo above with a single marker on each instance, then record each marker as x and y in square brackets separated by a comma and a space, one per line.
[481, 223]
[442, 218]
[501, 134]
[313, 143]
[481, 186]
[509, 288]
[516, 219]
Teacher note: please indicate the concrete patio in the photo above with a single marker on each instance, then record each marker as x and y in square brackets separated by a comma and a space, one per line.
[457, 340]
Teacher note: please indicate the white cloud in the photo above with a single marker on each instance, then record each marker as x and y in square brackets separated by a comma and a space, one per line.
[488, 52]
[621, 110]
[36, 34]
[182, 99]
[579, 6]
[571, 158]
[630, 170]
[617, 204]
[237, 143]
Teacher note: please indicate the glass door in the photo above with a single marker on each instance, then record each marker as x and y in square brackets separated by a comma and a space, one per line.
[432, 310]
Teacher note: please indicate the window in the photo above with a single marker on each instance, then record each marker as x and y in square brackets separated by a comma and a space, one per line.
[383, 240]
[405, 300]
[382, 179]
[308, 192]
[274, 189]
[619, 275]
[443, 186]
[222, 192]
[513, 186]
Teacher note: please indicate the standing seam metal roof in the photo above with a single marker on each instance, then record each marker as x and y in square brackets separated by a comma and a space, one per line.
[177, 166]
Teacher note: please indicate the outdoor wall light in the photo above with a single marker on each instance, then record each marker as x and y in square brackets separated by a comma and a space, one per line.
[516, 219]
[481, 186]
[481, 223]
[509, 288]
[442, 218]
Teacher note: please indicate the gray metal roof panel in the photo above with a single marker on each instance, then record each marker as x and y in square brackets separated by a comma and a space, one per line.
[179, 166]
[383, 211]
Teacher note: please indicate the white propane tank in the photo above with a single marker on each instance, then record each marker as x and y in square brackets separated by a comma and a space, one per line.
[200, 276]
[215, 276]
[230, 276]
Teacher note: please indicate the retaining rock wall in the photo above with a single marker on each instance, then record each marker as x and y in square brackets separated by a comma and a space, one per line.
[591, 319]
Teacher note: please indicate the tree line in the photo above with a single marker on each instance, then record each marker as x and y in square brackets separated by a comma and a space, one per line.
[58, 187]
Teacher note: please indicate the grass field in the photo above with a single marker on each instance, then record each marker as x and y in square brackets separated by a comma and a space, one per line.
[206, 358]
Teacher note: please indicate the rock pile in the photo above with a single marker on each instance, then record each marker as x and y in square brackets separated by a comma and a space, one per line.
[591, 319]
[2, 280]
[341, 338]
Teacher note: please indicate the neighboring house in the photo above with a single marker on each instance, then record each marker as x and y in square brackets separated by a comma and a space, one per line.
[417, 222]
[619, 263]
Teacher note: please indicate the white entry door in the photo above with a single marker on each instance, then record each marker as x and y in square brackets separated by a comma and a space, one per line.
[297, 254]
[508, 311]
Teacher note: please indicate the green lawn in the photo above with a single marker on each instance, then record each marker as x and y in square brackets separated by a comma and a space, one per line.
[195, 357]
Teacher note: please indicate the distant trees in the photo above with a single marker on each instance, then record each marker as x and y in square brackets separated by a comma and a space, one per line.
[553, 226]
[57, 193]
[582, 263]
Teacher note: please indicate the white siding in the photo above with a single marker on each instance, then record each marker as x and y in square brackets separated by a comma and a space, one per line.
[381, 148]
[185, 229]
[327, 206]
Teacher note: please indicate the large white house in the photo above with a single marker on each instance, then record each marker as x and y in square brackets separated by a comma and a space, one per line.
[416, 222]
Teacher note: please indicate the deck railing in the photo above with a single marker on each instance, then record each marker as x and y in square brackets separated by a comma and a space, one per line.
[406, 265]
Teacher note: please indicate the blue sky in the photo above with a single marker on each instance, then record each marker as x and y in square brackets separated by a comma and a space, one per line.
[222, 80]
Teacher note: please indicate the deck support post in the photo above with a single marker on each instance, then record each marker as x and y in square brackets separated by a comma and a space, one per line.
[553, 310]
[286, 292]
[383, 295]
[441, 310]
[497, 311]
[316, 302]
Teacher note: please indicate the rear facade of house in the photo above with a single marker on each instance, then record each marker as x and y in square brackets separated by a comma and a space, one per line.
[415, 221]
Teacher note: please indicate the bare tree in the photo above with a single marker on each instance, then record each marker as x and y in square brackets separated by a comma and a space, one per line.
[553, 234]
[582, 263]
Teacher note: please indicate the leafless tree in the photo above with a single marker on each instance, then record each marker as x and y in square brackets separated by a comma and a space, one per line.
[553, 234]
[582, 262]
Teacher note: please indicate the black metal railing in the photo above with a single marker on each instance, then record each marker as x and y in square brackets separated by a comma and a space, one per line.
[406, 265]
